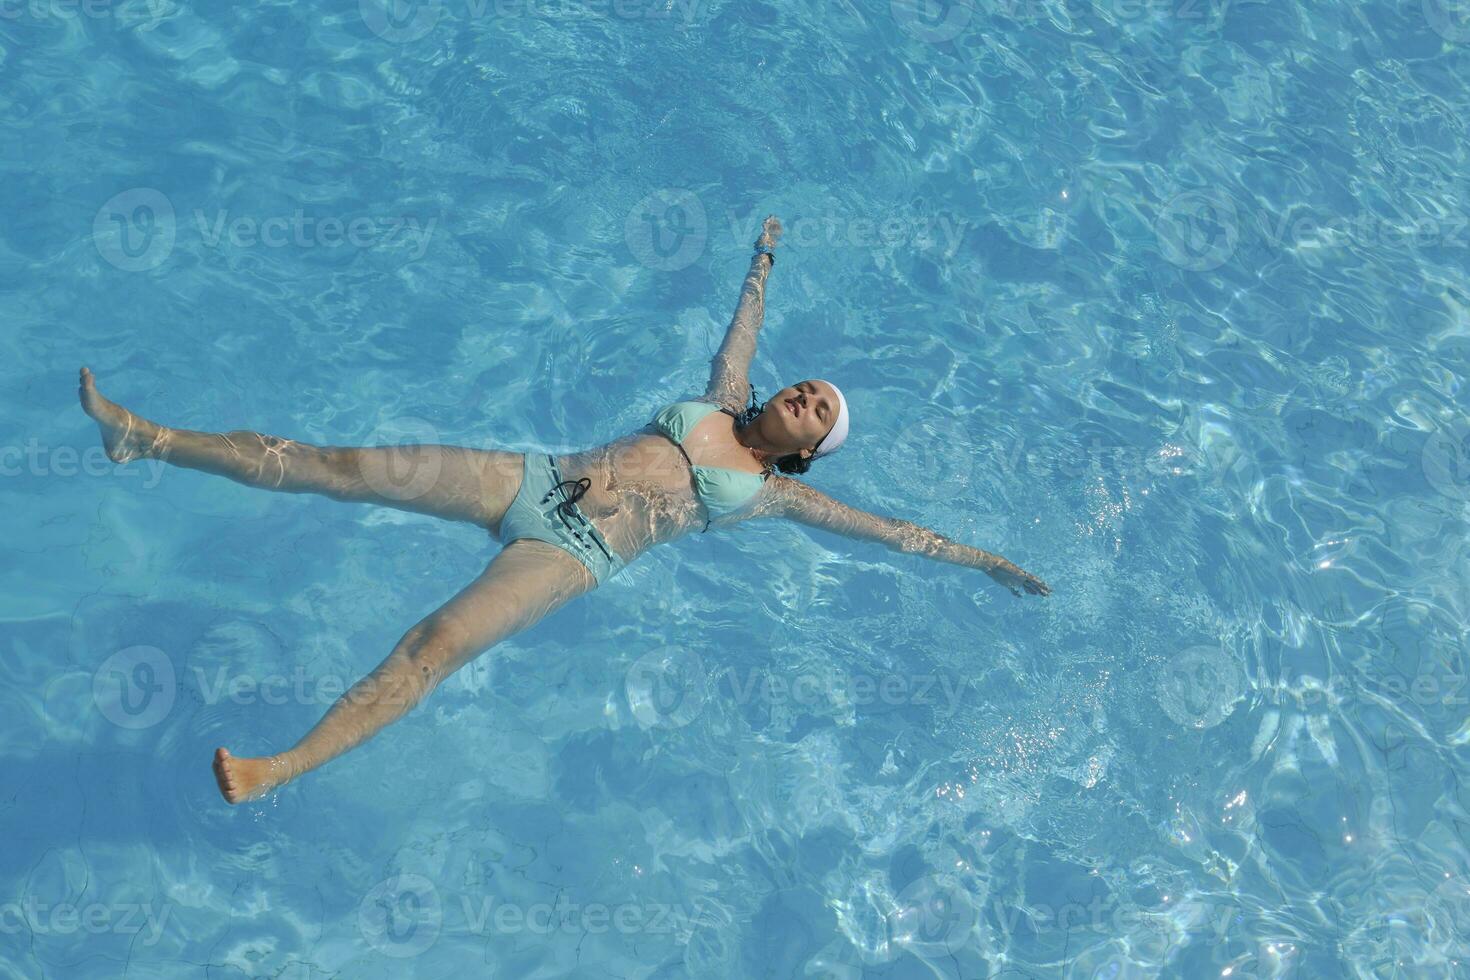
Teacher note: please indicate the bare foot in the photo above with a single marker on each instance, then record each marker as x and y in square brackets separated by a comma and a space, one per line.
[246, 779]
[125, 436]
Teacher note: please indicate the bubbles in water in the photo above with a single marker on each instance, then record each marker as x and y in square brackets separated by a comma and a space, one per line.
[1198, 688]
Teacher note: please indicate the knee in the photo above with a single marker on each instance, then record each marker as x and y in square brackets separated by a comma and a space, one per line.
[432, 650]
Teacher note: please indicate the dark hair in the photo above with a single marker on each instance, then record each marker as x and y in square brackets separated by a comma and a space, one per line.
[790, 463]
[795, 463]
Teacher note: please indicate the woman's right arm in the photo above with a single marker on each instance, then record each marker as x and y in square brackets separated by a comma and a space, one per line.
[729, 382]
[795, 500]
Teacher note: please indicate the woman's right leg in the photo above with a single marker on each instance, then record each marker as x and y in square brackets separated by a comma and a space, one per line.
[451, 482]
[527, 580]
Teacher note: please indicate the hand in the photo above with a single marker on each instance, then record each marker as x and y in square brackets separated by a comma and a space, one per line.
[770, 232]
[1015, 579]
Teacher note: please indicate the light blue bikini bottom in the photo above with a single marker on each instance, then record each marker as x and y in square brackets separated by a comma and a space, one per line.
[546, 509]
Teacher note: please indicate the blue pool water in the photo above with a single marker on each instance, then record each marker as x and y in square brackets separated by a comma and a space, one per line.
[1165, 300]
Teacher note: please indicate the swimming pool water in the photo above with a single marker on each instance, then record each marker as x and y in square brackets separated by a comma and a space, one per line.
[1165, 300]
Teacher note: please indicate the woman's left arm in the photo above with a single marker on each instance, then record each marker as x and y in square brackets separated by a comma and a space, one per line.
[795, 500]
[729, 382]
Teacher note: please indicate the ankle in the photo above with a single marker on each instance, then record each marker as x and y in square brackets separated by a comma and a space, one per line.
[285, 767]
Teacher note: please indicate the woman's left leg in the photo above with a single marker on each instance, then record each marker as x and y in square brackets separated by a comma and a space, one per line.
[452, 482]
[527, 580]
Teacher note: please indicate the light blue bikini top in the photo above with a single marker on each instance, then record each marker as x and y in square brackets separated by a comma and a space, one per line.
[721, 490]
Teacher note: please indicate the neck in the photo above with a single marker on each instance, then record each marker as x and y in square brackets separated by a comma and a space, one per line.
[762, 448]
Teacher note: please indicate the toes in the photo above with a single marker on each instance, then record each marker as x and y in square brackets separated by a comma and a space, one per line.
[223, 775]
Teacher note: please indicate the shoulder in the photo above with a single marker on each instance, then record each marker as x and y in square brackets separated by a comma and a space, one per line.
[698, 406]
[779, 495]
[727, 405]
[700, 402]
[728, 392]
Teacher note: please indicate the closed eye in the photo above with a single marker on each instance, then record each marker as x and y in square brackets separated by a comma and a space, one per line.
[811, 389]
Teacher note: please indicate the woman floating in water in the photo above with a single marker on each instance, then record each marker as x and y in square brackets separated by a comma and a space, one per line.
[567, 523]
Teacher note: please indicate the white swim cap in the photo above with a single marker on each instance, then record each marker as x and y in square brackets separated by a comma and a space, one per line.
[834, 439]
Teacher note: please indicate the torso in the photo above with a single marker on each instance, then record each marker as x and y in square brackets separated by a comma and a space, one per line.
[642, 490]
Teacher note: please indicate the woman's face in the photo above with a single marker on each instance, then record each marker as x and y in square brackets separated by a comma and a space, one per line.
[800, 415]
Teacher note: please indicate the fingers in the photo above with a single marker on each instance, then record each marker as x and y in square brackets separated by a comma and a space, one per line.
[1033, 585]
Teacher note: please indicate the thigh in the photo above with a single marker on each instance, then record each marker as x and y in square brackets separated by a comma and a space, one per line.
[525, 582]
[452, 482]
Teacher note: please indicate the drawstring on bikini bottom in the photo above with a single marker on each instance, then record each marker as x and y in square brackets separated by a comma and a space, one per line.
[567, 509]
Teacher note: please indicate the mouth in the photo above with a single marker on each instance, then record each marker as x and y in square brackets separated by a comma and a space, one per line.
[793, 408]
